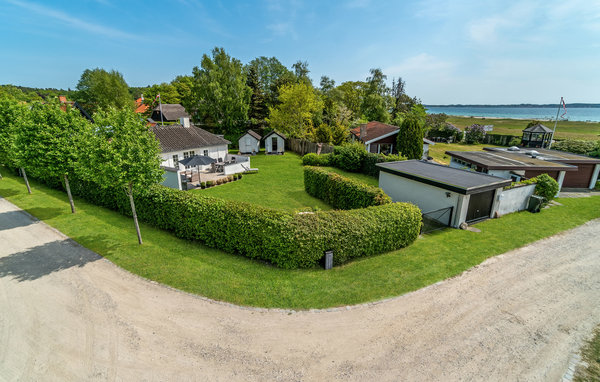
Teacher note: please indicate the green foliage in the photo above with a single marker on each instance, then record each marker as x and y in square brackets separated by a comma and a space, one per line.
[168, 94]
[98, 89]
[341, 192]
[294, 115]
[474, 134]
[12, 115]
[323, 133]
[312, 159]
[410, 138]
[516, 141]
[272, 74]
[597, 187]
[219, 95]
[348, 157]
[577, 146]
[546, 187]
[370, 160]
[447, 131]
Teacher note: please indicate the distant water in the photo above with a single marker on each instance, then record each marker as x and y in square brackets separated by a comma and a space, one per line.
[591, 114]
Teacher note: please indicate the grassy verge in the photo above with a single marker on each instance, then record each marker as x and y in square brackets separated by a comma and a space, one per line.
[195, 268]
[590, 354]
[279, 184]
[507, 126]
[438, 151]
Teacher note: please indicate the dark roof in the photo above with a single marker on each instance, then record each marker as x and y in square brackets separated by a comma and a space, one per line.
[508, 160]
[252, 134]
[537, 128]
[197, 160]
[177, 137]
[171, 111]
[274, 132]
[461, 181]
[549, 155]
[374, 130]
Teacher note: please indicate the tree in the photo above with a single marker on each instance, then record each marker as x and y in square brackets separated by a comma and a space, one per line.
[375, 103]
[272, 74]
[98, 89]
[301, 72]
[293, 116]
[121, 152]
[168, 94]
[12, 114]
[183, 85]
[258, 111]
[220, 96]
[47, 144]
[410, 138]
[474, 134]
[351, 94]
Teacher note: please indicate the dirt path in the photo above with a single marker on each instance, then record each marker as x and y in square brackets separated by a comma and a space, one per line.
[66, 314]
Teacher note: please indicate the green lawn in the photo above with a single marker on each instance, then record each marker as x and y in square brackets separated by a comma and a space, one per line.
[198, 269]
[507, 126]
[590, 354]
[438, 151]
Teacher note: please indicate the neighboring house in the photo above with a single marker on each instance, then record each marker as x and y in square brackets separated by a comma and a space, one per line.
[249, 143]
[63, 102]
[140, 107]
[179, 141]
[274, 143]
[381, 138]
[169, 112]
[448, 195]
[537, 135]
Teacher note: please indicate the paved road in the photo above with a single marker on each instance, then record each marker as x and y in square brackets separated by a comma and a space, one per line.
[68, 315]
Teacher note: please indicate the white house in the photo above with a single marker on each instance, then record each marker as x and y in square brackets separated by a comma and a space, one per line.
[183, 140]
[249, 143]
[274, 143]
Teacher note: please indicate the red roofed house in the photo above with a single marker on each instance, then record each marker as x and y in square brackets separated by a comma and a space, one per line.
[381, 138]
[140, 107]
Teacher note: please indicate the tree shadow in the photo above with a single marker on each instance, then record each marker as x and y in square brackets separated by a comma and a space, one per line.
[43, 260]
[14, 219]
[7, 193]
[43, 213]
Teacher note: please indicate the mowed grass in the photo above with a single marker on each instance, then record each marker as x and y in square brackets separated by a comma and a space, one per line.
[195, 268]
[590, 354]
[508, 126]
[438, 151]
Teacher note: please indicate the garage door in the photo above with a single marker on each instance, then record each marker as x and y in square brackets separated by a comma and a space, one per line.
[580, 178]
[480, 206]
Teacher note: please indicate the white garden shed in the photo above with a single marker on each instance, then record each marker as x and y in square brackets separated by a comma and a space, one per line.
[274, 143]
[249, 143]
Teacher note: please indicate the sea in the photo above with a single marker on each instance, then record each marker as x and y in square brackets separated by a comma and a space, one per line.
[586, 114]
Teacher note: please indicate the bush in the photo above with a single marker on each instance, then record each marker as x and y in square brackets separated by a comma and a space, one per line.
[239, 176]
[341, 192]
[577, 146]
[210, 183]
[474, 133]
[348, 157]
[446, 131]
[546, 187]
[370, 160]
[516, 141]
[203, 185]
[312, 159]
[597, 187]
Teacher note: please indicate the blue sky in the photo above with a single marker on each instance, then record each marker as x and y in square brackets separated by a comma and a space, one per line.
[446, 51]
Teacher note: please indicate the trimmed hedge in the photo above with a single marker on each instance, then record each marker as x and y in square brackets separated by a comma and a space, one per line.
[578, 147]
[352, 158]
[285, 239]
[341, 192]
[312, 159]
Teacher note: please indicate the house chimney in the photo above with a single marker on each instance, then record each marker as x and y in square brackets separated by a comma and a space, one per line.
[185, 121]
[363, 131]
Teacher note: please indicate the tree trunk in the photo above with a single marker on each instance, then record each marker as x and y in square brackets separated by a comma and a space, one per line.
[135, 219]
[26, 181]
[69, 193]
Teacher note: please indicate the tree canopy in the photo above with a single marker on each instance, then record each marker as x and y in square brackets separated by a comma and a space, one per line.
[410, 138]
[293, 116]
[98, 89]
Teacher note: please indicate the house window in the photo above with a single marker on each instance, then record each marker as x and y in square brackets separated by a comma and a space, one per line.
[385, 148]
[187, 154]
[175, 160]
[205, 153]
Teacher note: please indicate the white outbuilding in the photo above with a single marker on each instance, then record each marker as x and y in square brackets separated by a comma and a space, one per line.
[249, 143]
[274, 143]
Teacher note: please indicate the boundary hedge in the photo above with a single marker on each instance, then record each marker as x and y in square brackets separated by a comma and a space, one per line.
[341, 192]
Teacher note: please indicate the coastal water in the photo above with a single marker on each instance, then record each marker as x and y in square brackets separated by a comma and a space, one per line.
[591, 114]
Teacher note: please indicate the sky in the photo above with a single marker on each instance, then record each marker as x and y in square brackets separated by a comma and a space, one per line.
[447, 52]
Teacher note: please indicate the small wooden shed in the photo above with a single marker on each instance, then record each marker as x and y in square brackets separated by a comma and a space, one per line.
[249, 143]
[274, 143]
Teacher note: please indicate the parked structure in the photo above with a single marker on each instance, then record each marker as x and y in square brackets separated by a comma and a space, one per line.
[450, 195]
[537, 135]
[249, 143]
[171, 112]
[381, 138]
[274, 143]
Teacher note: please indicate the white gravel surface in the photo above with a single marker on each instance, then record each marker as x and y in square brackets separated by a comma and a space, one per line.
[68, 315]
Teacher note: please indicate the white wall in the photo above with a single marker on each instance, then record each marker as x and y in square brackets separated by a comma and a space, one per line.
[248, 144]
[425, 150]
[214, 152]
[171, 179]
[515, 199]
[280, 144]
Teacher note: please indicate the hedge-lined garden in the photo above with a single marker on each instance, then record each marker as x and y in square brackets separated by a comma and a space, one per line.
[341, 192]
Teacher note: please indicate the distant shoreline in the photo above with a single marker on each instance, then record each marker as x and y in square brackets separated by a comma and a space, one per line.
[525, 105]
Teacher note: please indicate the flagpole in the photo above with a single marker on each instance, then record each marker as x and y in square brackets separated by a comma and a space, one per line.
[555, 123]
[161, 114]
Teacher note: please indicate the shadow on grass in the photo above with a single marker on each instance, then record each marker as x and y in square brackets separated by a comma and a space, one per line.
[8, 193]
[43, 213]
[45, 259]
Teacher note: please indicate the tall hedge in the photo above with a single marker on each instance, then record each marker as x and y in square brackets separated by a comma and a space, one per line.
[285, 239]
[341, 192]
[351, 158]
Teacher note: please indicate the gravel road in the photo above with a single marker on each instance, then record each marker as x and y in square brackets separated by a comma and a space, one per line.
[67, 314]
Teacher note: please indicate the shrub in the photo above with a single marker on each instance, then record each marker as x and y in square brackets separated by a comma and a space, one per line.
[446, 131]
[210, 183]
[202, 184]
[230, 178]
[239, 176]
[516, 141]
[576, 146]
[348, 157]
[546, 187]
[597, 187]
[341, 192]
[370, 160]
[312, 159]
[474, 133]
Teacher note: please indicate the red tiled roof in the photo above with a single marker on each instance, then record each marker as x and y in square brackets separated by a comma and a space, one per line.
[374, 130]
[139, 106]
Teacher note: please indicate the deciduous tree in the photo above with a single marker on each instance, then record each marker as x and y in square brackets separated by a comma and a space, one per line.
[293, 116]
[98, 89]
[12, 114]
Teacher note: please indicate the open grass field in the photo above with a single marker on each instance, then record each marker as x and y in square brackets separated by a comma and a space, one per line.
[279, 184]
[195, 268]
[507, 126]
[437, 151]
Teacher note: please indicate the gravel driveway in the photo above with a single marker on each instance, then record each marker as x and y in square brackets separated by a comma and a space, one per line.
[67, 314]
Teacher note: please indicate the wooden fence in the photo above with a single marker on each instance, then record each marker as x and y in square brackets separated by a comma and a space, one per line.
[302, 146]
